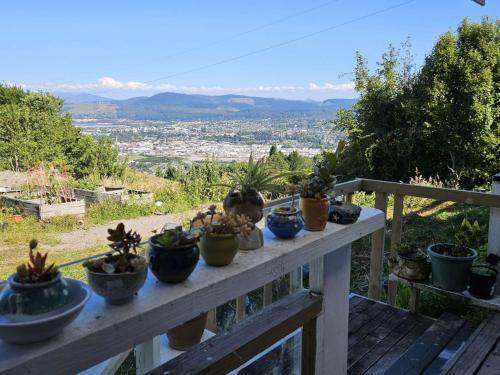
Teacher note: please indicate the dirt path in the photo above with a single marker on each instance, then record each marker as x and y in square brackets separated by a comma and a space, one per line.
[96, 235]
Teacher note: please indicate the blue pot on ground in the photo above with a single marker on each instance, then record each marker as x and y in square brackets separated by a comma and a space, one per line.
[19, 300]
[285, 222]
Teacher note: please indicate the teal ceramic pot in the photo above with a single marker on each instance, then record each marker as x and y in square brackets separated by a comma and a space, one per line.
[117, 288]
[449, 272]
[285, 224]
[21, 300]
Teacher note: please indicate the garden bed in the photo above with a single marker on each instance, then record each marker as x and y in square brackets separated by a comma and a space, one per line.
[42, 210]
[119, 195]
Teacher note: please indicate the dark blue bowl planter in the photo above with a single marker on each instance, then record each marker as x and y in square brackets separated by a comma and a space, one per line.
[285, 223]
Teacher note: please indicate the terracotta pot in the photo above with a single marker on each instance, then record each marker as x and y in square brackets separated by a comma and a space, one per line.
[315, 213]
[218, 249]
[188, 334]
[250, 205]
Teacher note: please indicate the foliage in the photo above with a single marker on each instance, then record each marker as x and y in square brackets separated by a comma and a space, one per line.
[122, 242]
[48, 183]
[323, 178]
[224, 224]
[469, 235]
[411, 251]
[35, 271]
[442, 119]
[34, 129]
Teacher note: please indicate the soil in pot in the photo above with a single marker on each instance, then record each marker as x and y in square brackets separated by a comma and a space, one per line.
[482, 282]
[450, 265]
[250, 204]
[188, 334]
[172, 264]
[218, 249]
[315, 213]
[285, 222]
[117, 288]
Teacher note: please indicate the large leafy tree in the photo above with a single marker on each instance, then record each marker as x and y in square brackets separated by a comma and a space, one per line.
[33, 129]
[442, 120]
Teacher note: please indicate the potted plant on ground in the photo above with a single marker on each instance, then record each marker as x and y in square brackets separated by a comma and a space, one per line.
[244, 197]
[483, 278]
[188, 334]
[451, 262]
[314, 200]
[286, 221]
[118, 276]
[411, 263]
[173, 255]
[219, 243]
[38, 302]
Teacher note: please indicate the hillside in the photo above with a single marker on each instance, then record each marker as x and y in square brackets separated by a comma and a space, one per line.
[174, 106]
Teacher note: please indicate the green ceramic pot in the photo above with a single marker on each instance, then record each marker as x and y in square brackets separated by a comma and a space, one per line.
[19, 300]
[218, 249]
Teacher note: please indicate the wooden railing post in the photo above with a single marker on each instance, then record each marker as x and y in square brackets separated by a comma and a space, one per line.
[268, 294]
[212, 320]
[377, 252]
[330, 276]
[397, 226]
[147, 355]
[295, 280]
[494, 226]
[241, 307]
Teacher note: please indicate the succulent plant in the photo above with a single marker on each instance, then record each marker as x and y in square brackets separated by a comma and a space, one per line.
[323, 179]
[36, 270]
[225, 224]
[123, 242]
[469, 234]
[175, 237]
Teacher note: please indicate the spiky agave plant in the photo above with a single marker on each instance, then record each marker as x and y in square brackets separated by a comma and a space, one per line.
[36, 270]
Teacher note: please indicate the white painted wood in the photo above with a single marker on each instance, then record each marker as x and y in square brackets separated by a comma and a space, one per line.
[331, 277]
[296, 279]
[212, 320]
[494, 227]
[241, 307]
[108, 367]
[267, 295]
[147, 355]
[102, 331]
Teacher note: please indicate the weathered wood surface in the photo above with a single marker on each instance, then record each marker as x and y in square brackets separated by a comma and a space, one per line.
[494, 225]
[227, 351]
[103, 331]
[377, 252]
[441, 194]
[44, 211]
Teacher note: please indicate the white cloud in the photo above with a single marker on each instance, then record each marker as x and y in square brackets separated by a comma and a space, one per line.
[109, 84]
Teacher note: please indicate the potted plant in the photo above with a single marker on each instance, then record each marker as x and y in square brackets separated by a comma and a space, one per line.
[411, 263]
[118, 276]
[451, 262]
[314, 200]
[38, 302]
[343, 212]
[219, 243]
[483, 278]
[286, 221]
[188, 334]
[173, 255]
[244, 197]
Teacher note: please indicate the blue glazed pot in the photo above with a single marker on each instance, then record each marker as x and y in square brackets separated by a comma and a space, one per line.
[21, 300]
[285, 224]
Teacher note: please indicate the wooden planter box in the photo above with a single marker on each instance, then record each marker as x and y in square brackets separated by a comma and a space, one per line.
[43, 211]
[120, 195]
[98, 196]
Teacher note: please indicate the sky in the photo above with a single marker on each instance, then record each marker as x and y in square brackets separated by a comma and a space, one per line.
[274, 48]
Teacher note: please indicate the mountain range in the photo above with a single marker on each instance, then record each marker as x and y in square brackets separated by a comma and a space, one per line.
[175, 106]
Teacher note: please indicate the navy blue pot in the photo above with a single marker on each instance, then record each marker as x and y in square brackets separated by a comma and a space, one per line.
[172, 264]
[285, 224]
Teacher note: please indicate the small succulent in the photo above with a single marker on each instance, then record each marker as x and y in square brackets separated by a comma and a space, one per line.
[123, 242]
[225, 224]
[323, 179]
[175, 237]
[36, 270]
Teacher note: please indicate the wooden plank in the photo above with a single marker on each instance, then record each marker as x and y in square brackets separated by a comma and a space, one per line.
[414, 300]
[493, 304]
[470, 357]
[103, 331]
[494, 225]
[491, 365]
[241, 307]
[438, 364]
[378, 361]
[428, 346]
[397, 222]
[331, 279]
[212, 320]
[268, 294]
[308, 361]
[362, 322]
[377, 252]
[147, 355]
[440, 194]
[295, 279]
[223, 353]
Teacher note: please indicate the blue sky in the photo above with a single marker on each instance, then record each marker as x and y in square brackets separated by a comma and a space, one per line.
[116, 48]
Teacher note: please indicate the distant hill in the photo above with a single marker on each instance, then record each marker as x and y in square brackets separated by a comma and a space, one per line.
[81, 98]
[175, 106]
